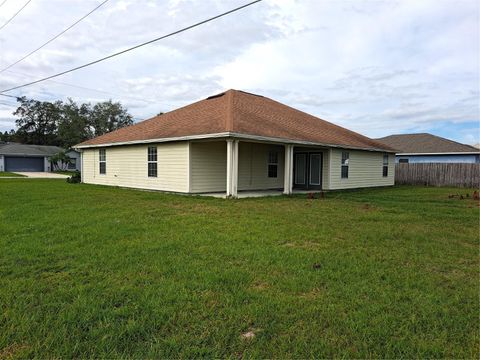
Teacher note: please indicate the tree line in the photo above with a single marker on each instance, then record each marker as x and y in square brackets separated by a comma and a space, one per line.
[64, 123]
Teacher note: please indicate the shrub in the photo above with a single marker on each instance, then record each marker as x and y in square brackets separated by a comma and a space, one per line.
[75, 178]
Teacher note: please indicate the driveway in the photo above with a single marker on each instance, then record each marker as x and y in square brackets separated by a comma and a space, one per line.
[42, 175]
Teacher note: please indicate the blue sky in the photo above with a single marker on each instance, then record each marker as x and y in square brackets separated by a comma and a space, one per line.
[376, 67]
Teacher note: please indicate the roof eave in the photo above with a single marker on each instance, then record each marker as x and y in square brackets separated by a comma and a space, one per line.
[234, 135]
[442, 153]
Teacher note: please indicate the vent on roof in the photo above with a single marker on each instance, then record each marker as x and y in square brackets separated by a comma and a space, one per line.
[215, 96]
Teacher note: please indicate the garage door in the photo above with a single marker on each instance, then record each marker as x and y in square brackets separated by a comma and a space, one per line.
[17, 163]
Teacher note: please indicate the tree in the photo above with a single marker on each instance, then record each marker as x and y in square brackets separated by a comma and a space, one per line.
[65, 123]
[7, 136]
[38, 121]
[108, 116]
[60, 161]
[73, 127]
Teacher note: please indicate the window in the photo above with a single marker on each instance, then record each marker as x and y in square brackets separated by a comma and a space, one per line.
[385, 165]
[403, 161]
[152, 161]
[102, 160]
[272, 164]
[72, 165]
[345, 162]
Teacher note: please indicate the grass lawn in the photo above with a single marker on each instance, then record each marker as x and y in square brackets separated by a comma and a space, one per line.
[102, 272]
[10, 174]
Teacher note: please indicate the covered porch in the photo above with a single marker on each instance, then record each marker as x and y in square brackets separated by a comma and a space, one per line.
[238, 169]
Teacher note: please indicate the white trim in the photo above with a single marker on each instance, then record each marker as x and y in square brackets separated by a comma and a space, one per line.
[439, 153]
[232, 168]
[81, 166]
[159, 140]
[189, 168]
[288, 169]
[102, 161]
[234, 135]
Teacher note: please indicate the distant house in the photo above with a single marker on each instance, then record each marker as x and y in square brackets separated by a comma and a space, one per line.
[75, 160]
[428, 148]
[236, 141]
[17, 157]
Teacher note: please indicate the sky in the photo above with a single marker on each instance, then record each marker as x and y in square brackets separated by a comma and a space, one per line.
[375, 67]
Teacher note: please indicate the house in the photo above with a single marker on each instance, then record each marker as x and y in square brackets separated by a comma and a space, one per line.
[428, 148]
[22, 157]
[236, 141]
[33, 158]
[75, 160]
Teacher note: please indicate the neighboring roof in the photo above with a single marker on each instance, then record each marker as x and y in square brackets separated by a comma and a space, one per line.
[425, 144]
[239, 113]
[26, 150]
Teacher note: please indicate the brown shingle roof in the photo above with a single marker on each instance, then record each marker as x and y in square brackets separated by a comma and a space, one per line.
[424, 144]
[242, 113]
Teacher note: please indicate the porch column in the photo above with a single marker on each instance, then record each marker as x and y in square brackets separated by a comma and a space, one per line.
[232, 168]
[288, 176]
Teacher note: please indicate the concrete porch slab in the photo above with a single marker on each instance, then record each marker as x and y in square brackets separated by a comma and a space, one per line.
[258, 193]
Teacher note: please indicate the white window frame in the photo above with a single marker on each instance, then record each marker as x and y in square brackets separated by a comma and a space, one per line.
[152, 159]
[102, 159]
[345, 163]
[385, 165]
[272, 155]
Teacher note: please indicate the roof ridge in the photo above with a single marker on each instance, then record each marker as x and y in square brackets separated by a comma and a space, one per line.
[236, 111]
[441, 138]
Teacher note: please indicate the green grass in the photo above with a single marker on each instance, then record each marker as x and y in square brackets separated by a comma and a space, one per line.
[101, 272]
[10, 174]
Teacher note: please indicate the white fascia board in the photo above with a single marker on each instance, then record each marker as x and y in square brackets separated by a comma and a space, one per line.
[160, 140]
[239, 136]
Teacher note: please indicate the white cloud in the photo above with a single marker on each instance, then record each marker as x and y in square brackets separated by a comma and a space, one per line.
[375, 66]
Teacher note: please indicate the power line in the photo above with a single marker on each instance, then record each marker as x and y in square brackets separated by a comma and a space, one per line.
[134, 47]
[119, 96]
[56, 36]
[4, 1]
[13, 17]
[16, 97]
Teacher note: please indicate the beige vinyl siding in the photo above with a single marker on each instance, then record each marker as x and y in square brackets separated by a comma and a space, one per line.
[253, 166]
[365, 169]
[127, 166]
[208, 166]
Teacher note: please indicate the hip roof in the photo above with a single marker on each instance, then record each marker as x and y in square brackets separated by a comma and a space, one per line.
[239, 112]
